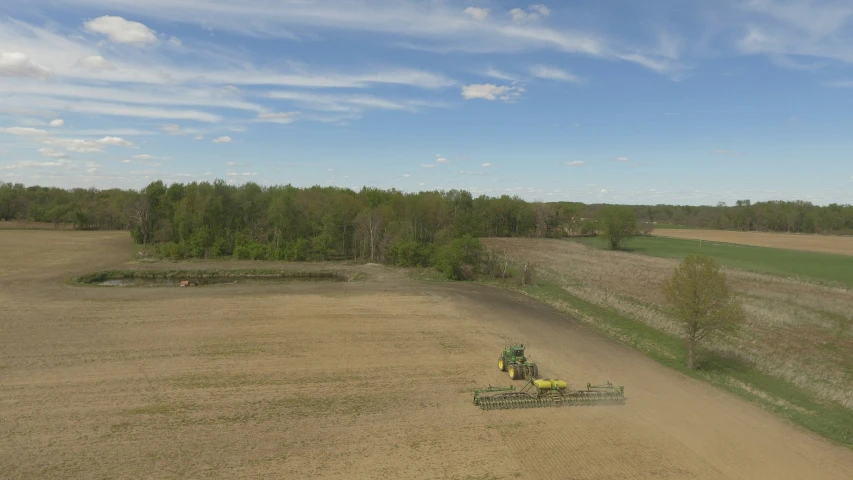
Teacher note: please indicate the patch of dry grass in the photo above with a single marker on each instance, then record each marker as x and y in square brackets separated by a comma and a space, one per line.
[795, 330]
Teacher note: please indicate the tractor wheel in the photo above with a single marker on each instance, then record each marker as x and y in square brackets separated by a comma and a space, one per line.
[534, 370]
[511, 371]
[501, 364]
[515, 371]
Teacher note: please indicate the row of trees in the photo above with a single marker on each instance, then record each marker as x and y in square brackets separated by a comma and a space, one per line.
[290, 223]
[773, 216]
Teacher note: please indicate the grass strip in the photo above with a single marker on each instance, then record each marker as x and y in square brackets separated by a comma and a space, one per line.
[826, 418]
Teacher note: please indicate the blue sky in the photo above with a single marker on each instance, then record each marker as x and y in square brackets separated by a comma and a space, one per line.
[615, 101]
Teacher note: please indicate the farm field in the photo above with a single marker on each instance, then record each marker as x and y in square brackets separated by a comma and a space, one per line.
[825, 267]
[363, 379]
[808, 243]
[29, 225]
[793, 356]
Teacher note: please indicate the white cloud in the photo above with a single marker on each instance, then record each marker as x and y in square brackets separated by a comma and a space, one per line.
[281, 117]
[225, 139]
[350, 106]
[120, 30]
[603, 191]
[406, 175]
[175, 41]
[233, 164]
[576, 163]
[477, 13]
[245, 174]
[554, 73]
[172, 129]
[32, 164]
[49, 152]
[198, 137]
[17, 64]
[621, 159]
[534, 12]
[428, 25]
[486, 165]
[116, 141]
[74, 145]
[488, 91]
[440, 159]
[94, 63]
[142, 157]
[23, 131]
[428, 165]
[47, 102]
[57, 123]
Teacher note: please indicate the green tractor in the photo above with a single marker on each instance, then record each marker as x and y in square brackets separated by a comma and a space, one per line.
[516, 365]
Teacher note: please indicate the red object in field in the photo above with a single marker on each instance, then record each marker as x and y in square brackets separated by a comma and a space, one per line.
[185, 283]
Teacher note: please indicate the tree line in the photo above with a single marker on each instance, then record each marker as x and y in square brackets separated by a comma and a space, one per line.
[330, 223]
[744, 215]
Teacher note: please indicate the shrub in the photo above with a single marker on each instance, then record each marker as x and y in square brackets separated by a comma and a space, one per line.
[460, 259]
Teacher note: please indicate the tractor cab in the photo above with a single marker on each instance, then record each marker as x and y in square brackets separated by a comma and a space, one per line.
[516, 352]
[516, 364]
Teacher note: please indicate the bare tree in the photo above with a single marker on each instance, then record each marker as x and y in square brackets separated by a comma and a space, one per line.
[546, 214]
[370, 224]
[139, 214]
[700, 297]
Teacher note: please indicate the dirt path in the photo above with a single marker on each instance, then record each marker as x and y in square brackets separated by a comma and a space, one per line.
[808, 243]
[359, 380]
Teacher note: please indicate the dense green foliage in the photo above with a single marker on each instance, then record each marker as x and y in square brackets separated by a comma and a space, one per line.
[250, 222]
[788, 263]
[616, 225]
[774, 216]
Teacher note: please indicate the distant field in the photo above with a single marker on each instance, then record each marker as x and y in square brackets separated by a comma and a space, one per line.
[775, 261]
[16, 225]
[670, 226]
[808, 243]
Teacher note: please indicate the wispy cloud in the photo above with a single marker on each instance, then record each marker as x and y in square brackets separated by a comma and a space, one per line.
[224, 139]
[489, 91]
[23, 131]
[554, 73]
[477, 13]
[576, 163]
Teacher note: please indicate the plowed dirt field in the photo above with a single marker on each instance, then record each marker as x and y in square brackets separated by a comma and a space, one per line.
[366, 379]
[807, 243]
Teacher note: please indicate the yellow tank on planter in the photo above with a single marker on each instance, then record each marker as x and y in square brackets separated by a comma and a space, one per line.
[550, 384]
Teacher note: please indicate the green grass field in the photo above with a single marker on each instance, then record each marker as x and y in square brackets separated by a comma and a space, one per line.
[823, 267]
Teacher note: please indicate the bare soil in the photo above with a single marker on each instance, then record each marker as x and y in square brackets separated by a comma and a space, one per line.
[808, 243]
[367, 379]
